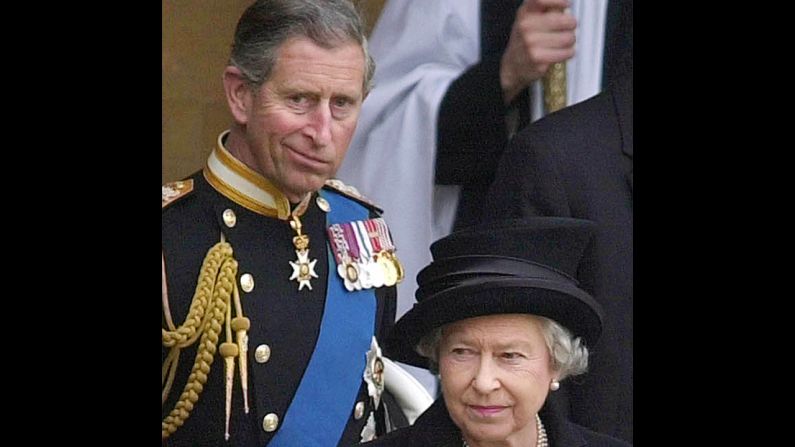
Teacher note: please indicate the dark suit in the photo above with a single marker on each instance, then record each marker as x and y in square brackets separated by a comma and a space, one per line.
[284, 318]
[434, 428]
[578, 163]
[472, 128]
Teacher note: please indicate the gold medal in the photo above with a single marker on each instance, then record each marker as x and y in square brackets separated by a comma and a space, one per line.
[399, 267]
[351, 272]
[349, 275]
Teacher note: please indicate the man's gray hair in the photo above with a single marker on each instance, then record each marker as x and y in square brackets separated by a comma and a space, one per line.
[267, 24]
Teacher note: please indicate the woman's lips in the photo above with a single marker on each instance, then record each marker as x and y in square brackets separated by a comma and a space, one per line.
[487, 411]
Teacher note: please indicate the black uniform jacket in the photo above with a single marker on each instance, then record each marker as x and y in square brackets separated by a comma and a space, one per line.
[434, 428]
[282, 317]
[578, 162]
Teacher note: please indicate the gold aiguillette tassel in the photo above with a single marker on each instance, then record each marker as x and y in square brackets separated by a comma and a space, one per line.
[229, 351]
[240, 325]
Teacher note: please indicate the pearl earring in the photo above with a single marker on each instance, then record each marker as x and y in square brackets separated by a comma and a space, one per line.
[554, 386]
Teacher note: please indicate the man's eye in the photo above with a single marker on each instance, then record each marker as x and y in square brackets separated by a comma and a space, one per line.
[342, 102]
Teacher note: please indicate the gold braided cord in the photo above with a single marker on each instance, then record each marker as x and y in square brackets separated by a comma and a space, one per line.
[206, 316]
[164, 289]
[186, 334]
[169, 371]
[172, 360]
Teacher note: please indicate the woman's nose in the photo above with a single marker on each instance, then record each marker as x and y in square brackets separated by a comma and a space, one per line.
[486, 378]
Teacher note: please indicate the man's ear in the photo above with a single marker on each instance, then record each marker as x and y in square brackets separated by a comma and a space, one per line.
[238, 94]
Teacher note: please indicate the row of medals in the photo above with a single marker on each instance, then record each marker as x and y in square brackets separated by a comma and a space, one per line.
[363, 272]
[385, 270]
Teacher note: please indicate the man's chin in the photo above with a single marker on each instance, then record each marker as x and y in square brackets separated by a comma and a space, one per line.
[300, 189]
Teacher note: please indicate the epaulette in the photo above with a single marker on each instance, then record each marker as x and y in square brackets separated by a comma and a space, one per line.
[351, 192]
[175, 190]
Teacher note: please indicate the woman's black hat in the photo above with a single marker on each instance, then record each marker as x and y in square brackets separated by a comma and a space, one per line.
[512, 266]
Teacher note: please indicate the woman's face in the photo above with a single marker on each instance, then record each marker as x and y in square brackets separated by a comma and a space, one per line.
[495, 373]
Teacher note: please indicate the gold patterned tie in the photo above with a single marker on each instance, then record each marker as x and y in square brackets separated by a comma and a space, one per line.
[555, 87]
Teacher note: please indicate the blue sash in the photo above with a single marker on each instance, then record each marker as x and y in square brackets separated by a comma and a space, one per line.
[326, 395]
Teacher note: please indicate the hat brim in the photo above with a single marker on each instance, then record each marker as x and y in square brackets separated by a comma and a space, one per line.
[565, 304]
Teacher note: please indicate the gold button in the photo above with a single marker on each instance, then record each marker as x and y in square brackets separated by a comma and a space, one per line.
[247, 282]
[358, 412]
[270, 422]
[229, 218]
[262, 353]
[323, 204]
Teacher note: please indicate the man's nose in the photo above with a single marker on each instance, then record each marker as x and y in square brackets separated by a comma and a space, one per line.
[320, 124]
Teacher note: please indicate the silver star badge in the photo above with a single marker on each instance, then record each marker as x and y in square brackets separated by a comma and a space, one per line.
[374, 372]
[303, 269]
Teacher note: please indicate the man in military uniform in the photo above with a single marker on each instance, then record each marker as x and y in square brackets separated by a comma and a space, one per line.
[278, 282]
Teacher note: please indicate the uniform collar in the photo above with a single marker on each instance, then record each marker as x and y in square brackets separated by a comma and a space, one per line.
[242, 185]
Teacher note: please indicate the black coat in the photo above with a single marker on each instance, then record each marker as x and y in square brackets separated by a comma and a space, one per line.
[434, 428]
[472, 128]
[578, 163]
[281, 316]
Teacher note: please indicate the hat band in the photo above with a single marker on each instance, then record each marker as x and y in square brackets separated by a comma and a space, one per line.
[448, 272]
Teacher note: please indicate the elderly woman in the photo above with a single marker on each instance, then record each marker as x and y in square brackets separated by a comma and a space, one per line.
[499, 316]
